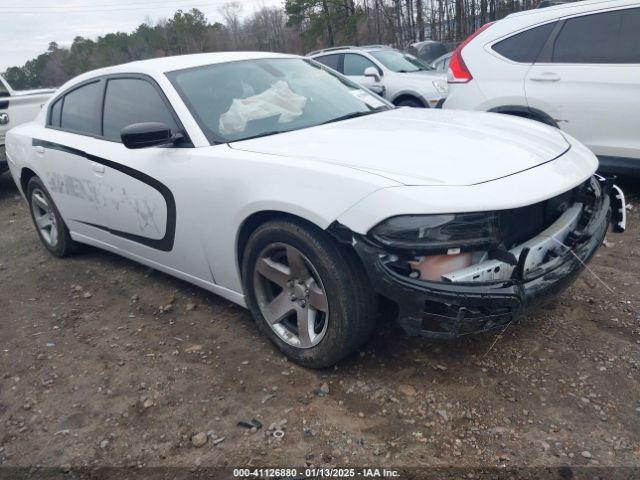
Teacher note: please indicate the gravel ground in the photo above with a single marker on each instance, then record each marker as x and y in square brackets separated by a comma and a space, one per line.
[106, 362]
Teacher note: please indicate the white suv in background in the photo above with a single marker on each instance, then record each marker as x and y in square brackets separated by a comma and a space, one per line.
[397, 76]
[575, 66]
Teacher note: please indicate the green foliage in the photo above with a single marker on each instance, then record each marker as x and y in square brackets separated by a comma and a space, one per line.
[324, 21]
[300, 26]
[185, 32]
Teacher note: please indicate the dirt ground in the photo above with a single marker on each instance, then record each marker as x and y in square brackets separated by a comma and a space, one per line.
[106, 362]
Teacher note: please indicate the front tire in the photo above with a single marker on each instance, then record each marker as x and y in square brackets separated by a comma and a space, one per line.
[306, 293]
[51, 229]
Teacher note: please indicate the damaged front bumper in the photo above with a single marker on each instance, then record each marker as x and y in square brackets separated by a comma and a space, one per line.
[467, 304]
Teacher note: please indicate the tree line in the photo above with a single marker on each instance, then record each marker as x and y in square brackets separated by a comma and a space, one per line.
[297, 27]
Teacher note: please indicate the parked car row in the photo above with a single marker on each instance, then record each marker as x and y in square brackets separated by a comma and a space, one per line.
[286, 187]
[574, 66]
[397, 76]
[17, 107]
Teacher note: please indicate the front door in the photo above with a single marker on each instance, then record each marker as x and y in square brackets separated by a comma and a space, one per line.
[354, 66]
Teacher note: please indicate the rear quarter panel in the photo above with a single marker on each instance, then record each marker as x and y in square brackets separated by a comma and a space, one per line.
[20, 152]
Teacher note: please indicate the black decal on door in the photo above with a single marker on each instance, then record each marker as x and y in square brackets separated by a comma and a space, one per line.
[165, 243]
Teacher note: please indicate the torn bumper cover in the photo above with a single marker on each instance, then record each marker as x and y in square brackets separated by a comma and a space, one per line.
[450, 308]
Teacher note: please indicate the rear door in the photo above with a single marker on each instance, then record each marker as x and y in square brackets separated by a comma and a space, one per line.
[506, 80]
[333, 61]
[72, 179]
[588, 79]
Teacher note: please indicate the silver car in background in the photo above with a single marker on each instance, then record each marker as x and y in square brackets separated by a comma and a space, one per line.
[397, 76]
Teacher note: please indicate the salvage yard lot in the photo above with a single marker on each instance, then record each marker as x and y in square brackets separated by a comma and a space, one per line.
[106, 362]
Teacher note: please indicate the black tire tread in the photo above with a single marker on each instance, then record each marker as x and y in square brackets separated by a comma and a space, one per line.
[351, 279]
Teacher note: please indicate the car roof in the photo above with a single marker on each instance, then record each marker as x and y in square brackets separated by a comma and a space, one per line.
[528, 18]
[573, 7]
[337, 50]
[156, 66]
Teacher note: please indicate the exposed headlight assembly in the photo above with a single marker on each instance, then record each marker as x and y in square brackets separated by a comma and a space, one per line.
[444, 233]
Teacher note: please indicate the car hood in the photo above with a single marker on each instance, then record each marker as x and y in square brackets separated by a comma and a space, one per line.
[422, 146]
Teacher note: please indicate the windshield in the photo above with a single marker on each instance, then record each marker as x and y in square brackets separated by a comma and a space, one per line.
[400, 62]
[252, 98]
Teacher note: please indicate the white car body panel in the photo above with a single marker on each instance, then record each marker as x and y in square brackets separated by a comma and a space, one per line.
[599, 104]
[536, 184]
[604, 117]
[354, 171]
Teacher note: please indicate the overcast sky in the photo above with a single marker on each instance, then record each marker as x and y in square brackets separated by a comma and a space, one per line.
[28, 26]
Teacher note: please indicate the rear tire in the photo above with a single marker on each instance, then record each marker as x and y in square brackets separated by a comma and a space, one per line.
[309, 295]
[50, 227]
[410, 102]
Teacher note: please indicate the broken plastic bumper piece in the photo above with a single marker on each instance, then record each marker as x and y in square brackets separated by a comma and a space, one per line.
[497, 288]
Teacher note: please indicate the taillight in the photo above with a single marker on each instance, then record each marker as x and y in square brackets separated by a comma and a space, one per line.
[458, 71]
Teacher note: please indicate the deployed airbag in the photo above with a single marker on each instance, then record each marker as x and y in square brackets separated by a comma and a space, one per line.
[278, 100]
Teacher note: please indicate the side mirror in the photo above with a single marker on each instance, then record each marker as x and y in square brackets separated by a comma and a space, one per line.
[372, 72]
[148, 134]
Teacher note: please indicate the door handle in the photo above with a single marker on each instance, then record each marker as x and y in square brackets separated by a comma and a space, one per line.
[40, 150]
[545, 77]
[97, 167]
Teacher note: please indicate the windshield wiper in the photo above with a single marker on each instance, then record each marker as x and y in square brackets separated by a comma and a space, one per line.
[337, 119]
[354, 115]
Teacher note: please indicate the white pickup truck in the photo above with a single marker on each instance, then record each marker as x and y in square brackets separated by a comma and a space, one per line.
[17, 107]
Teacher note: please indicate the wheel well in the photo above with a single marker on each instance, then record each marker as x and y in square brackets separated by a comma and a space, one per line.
[407, 96]
[526, 112]
[25, 176]
[254, 221]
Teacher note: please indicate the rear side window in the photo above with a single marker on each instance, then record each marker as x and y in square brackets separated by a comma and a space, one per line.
[525, 46]
[56, 110]
[78, 110]
[132, 100]
[356, 64]
[331, 61]
[589, 39]
[629, 40]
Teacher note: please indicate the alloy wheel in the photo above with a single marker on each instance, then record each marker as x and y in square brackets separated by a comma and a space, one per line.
[44, 217]
[291, 296]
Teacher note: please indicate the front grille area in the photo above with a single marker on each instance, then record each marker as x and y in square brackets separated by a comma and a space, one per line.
[521, 224]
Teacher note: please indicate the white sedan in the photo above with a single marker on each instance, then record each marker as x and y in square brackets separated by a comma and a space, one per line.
[284, 187]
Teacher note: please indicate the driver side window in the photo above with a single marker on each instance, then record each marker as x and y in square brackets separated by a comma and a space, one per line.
[355, 65]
